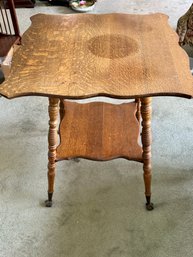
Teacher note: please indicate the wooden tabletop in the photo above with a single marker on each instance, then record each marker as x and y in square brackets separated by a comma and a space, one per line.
[85, 55]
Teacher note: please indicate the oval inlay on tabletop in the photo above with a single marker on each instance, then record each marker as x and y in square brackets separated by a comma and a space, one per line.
[112, 46]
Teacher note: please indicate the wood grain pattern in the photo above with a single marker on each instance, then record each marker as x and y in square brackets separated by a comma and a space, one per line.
[99, 131]
[85, 55]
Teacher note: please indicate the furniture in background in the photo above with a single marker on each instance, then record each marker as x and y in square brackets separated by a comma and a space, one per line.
[185, 33]
[185, 28]
[9, 32]
[76, 5]
[9, 28]
[59, 2]
[119, 59]
[24, 3]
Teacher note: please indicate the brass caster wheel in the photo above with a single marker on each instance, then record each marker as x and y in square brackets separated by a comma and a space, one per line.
[149, 206]
[48, 203]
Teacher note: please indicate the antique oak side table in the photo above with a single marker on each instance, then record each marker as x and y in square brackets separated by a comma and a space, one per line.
[80, 56]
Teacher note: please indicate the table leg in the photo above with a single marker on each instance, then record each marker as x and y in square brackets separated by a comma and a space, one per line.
[146, 111]
[138, 114]
[61, 109]
[52, 144]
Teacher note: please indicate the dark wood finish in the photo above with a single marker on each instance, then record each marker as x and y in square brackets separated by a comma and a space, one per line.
[52, 144]
[99, 131]
[146, 111]
[9, 28]
[6, 42]
[24, 3]
[59, 2]
[11, 7]
[122, 56]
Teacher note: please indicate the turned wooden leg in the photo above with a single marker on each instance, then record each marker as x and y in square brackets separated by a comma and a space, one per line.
[61, 109]
[146, 111]
[52, 144]
[138, 114]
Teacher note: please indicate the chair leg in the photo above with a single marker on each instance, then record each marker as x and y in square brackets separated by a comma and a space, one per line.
[146, 111]
[52, 144]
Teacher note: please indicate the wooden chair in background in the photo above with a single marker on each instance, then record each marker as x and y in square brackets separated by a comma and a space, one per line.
[9, 33]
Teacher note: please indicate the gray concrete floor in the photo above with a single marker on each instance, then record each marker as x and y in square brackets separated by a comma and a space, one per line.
[99, 207]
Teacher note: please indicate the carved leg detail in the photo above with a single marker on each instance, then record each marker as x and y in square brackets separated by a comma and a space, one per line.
[146, 111]
[52, 144]
[138, 113]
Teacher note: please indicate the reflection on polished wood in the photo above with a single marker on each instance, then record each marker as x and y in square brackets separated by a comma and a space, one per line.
[84, 55]
[99, 131]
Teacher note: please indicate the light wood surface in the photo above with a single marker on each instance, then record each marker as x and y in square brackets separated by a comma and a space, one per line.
[52, 145]
[146, 112]
[99, 131]
[84, 55]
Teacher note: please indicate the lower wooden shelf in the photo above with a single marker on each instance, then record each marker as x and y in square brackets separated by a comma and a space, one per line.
[99, 131]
